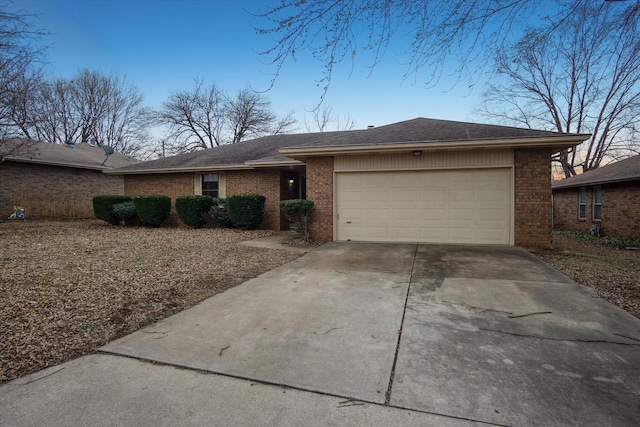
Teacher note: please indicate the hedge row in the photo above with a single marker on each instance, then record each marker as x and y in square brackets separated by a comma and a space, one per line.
[244, 211]
[149, 210]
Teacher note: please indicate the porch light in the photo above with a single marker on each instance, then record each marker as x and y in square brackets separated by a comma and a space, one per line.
[417, 153]
[291, 181]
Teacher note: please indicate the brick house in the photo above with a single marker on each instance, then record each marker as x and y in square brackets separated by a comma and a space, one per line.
[54, 180]
[607, 197]
[418, 180]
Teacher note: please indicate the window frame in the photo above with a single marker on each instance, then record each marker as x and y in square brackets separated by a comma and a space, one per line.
[582, 203]
[205, 191]
[596, 205]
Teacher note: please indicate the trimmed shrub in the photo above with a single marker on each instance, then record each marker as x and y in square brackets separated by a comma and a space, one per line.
[298, 211]
[126, 211]
[103, 207]
[192, 209]
[246, 211]
[220, 213]
[152, 209]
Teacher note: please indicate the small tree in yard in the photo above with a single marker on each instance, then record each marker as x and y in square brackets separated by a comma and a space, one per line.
[126, 211]
[298, 211]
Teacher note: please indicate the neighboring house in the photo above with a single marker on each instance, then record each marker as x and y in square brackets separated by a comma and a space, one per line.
[607, 197]
[420, 180]
[55, 180]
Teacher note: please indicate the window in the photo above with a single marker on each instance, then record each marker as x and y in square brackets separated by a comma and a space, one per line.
[582, 204]
[210, 184]
[597, 204]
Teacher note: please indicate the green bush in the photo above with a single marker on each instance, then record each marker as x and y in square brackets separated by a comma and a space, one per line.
[192, 209]
[220, 213]
[126, 211]
[298, 211]
[246, 210]
[103, 207]
[152, 209]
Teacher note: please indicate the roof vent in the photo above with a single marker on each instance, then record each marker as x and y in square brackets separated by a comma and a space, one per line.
[70, 144]
[370, 127]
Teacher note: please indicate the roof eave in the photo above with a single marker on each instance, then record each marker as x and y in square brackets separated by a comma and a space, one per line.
[178, 170]
[554, 142]
[561, 186]
[275, 164]
[53, 163]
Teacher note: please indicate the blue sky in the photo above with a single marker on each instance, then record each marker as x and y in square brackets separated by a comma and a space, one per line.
[161, 46]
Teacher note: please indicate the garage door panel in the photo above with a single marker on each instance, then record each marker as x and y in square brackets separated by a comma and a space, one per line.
[456, 206]
[400, 214]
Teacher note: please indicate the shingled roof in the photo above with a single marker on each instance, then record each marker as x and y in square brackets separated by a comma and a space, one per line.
[623, 170]
[285, 149]
[82, 156]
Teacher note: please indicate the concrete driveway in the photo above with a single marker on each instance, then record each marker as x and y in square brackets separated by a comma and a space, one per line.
[363, 334]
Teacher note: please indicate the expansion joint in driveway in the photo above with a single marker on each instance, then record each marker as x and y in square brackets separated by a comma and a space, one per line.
[387, 396]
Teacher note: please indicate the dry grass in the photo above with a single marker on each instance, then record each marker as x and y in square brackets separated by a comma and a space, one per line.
[67, 288]
[613, 273]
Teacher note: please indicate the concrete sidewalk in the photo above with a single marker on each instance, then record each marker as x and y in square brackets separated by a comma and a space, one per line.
[363, 334]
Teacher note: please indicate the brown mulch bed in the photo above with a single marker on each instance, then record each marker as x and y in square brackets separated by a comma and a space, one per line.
[613, 273]
[69, 287]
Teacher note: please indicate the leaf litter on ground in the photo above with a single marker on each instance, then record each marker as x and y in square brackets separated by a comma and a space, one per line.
[69, 287]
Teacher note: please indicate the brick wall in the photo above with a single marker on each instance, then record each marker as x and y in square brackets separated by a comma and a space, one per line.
[533, 198]
[620, 210]
[320, 191]
[53, 191]
[260, 181]
[168, 184]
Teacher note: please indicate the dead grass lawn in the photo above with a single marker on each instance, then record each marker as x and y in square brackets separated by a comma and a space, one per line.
[613, 273]
[67, 288]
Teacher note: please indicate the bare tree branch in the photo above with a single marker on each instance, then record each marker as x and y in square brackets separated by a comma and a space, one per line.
[583, 80]
[443, 34]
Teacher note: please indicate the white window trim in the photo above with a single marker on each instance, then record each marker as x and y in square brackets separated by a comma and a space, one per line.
[222, 184]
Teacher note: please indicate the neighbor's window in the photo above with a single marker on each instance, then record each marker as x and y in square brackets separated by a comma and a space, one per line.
[210, 184]
[582, 204]
[597, 204]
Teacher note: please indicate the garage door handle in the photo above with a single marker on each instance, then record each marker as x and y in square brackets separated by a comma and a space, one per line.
[348, 222]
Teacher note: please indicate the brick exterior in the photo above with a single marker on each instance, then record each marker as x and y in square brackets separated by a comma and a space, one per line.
[620, 210]
[532, 199]
[168, 184]
[53, 191]
[260, 181]
[320, 191]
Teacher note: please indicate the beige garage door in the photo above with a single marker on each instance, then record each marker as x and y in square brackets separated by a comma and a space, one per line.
[446, 206]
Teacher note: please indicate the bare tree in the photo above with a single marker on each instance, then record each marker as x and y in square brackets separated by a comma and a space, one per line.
[452, 35]
[284, 124]
[583, 80]
[90, 107]
[249, 114]
[205, 117]
[195, 118]
[19, 68]
[322, 117]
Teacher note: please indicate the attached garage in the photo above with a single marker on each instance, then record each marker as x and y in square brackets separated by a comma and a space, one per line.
[471, 205]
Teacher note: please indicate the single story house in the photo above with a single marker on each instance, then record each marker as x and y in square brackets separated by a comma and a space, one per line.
[607, 197]
[56, 180]
[420, 180]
